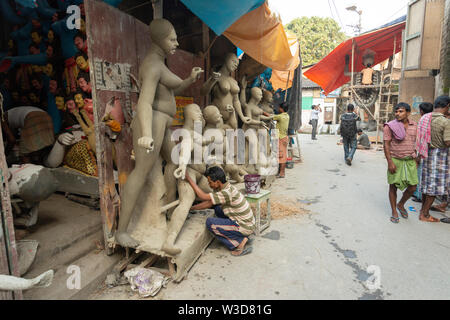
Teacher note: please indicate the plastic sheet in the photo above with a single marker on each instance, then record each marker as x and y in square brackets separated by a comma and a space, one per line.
[260, 34]
[329, 72]
[146, 281]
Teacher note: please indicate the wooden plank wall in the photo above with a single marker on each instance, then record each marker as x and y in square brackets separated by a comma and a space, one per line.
[8, 251]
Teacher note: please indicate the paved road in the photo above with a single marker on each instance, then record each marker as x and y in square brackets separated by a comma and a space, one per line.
[325, 254]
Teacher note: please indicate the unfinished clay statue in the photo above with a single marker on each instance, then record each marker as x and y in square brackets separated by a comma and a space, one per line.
[192, 113]
[214, 122]
[155, 111]
[225, 92]
[252, 110]
[266, 103]
[86, 125]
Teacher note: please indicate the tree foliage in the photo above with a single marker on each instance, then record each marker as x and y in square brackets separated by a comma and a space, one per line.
[317, 37]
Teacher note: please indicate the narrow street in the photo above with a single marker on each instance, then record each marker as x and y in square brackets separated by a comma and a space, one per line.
[325, 254]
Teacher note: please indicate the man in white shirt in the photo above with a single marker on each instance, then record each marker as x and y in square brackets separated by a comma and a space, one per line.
[315, 120]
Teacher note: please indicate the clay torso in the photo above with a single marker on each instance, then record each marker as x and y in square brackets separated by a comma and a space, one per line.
[164, 100]
[256, 114]
[224, 92]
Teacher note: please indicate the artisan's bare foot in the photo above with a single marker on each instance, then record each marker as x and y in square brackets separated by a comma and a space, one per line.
[170, 249]
[125, 240]
[239, 249]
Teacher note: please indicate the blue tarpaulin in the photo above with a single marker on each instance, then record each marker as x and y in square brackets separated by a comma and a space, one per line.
[219, 15]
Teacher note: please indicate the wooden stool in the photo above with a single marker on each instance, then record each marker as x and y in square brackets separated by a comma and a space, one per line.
[294, 147]
[263, 195]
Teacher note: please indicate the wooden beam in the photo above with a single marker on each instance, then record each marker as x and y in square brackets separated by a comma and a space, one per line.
[157, 9]
[9, 259]
[171, 267]
[149, 261]
[206, 57]
[353, 69]
[126, 261]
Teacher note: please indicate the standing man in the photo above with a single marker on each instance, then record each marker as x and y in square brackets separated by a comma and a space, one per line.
[422, 142]
[315, 120]
[435, 172]
[348, 133]
[399, 149]
[282, 120]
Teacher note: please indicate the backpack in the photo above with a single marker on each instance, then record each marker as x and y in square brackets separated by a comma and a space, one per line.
[348, 125]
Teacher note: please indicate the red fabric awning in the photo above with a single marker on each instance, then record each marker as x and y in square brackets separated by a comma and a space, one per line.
[329, 72]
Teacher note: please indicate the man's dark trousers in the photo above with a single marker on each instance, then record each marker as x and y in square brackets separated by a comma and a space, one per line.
[350, 145]
[314, 123]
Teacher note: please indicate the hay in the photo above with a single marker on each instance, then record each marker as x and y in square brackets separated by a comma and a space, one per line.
[281, 209]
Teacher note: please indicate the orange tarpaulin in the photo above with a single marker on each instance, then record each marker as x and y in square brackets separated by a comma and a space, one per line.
[280, 78]
[329, 72]
[260, 34]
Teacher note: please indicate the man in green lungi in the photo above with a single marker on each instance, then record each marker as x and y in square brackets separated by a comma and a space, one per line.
[399, 148]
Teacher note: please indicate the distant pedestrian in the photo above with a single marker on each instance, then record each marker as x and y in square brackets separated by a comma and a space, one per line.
[436, 175]
[422, 141]
[348, 133]
[363, 140]
[315, 120]
[399, 149]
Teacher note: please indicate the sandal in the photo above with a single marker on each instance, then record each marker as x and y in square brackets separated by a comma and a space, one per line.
[243, 252]
[395, 220]
[404, 213]
[429, 219]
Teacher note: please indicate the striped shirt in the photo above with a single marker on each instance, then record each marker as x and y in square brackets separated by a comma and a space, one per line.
[406, 147]
[236, 207]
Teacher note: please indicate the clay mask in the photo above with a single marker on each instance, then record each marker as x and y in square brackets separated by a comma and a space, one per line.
[79, 43]
[84, 85]
[70, 104]
[79, 100]
[48, 69]
[82, 63]
[60, 103]
[33, 98]
[36, 37]
[52, 86]
[50, 36]
[82, 26]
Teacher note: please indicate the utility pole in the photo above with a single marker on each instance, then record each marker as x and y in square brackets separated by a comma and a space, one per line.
[358, 27]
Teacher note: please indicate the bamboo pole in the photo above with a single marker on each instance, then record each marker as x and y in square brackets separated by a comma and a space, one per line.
[287, 85]
[353, 70]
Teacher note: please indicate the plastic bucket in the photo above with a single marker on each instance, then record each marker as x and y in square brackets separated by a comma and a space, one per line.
[252, 183]
[290, 165]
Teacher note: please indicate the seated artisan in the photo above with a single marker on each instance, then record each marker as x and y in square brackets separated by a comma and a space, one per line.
[367, 75]
[235, 221]
[363, 141]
